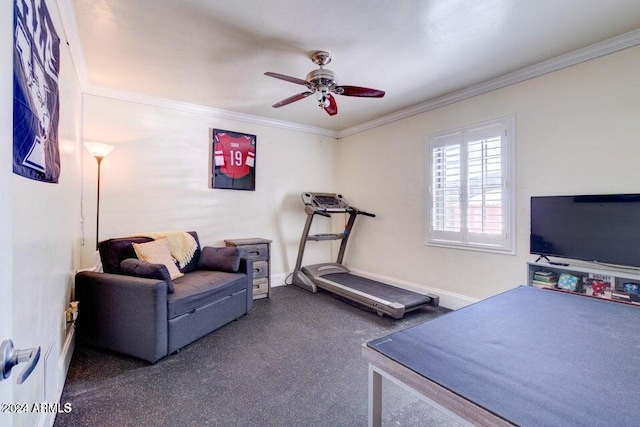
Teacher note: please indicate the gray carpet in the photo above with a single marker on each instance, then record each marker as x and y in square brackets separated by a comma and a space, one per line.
[295, 360]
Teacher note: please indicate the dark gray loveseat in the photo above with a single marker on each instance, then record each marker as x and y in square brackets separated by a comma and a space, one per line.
[150, 318]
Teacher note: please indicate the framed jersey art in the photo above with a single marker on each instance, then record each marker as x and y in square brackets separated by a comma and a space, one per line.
[233, 160]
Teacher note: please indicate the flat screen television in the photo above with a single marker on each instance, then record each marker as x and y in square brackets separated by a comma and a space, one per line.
[599, 228]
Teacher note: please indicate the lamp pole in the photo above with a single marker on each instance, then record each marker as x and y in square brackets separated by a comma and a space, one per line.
[99, 151]
[99, 159]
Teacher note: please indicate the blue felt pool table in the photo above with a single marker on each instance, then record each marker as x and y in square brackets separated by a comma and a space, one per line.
[528, 357]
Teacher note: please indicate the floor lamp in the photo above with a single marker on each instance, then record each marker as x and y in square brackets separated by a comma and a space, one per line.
[99, 151]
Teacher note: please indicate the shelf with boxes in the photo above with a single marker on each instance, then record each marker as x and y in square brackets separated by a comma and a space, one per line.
[259, 251]
[597, 281]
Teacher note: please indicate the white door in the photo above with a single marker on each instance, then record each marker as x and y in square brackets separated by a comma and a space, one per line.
[6, 315]
[6, 193]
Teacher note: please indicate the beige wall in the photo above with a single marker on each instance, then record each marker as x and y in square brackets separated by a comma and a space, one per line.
[157, 179]
[577, 132]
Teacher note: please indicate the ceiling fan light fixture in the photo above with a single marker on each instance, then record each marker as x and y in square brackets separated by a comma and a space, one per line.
[322, 95]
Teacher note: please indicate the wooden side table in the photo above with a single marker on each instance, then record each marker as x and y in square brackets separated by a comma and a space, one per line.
[258, 250]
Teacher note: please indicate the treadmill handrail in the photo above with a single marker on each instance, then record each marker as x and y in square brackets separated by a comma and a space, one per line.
[310, 210]
[326, 236]
[365, 213]
[329, 211]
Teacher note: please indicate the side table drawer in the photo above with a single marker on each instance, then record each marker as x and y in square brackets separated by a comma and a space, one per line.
[256, 252]
[260, 269]
[260, 288]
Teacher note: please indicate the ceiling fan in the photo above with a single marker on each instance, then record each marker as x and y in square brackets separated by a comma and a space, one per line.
[323, 83]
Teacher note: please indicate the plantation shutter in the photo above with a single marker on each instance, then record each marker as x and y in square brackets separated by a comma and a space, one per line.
[485, 183]
[468, 202]
[446, 188]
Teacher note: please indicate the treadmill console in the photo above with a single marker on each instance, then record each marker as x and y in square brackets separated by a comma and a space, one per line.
[329, 202]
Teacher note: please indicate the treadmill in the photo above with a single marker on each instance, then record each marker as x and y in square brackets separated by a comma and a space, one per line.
[336, 278]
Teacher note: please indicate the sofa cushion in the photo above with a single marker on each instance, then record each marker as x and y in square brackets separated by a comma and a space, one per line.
[113, 251]
[147, 270]
[220, 259]
[202, 287]
[157, 252]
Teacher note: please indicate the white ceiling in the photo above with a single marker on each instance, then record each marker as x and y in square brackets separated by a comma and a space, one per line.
[214, 53]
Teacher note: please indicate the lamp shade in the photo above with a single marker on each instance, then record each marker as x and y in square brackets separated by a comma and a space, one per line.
[98, 149]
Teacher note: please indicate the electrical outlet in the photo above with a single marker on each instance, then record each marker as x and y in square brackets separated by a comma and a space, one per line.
[71, 313]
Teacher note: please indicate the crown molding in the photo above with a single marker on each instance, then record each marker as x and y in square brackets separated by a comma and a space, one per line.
[588, 53]
[206, 111]
[70, 30]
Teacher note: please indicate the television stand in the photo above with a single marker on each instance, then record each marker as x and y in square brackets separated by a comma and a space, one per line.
[615, 278]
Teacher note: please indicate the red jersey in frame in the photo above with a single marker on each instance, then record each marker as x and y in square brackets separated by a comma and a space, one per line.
[234, 159]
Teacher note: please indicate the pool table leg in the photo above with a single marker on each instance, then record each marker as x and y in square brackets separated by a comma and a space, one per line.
[375, 397]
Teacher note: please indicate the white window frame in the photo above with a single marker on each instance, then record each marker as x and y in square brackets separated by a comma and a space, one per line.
[504, 242]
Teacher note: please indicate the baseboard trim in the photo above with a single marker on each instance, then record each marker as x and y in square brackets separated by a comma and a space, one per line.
[450, 300]
[67, 354]
[48, 418]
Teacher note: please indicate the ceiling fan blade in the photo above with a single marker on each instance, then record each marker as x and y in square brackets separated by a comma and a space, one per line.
[359, 91]
[286, 78]
[332, 108]
[291, 99]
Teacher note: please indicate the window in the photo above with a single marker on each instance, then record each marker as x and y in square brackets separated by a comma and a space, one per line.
[471, 200]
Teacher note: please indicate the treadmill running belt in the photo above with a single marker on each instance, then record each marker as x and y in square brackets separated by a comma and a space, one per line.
[381, 290]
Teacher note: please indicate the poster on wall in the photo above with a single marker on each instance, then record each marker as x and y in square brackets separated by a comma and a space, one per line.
[233, 160]
[36, 66]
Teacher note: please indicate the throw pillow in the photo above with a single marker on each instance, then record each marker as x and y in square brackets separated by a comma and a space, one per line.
[144, 269]
[221, 259]
[157, 252]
